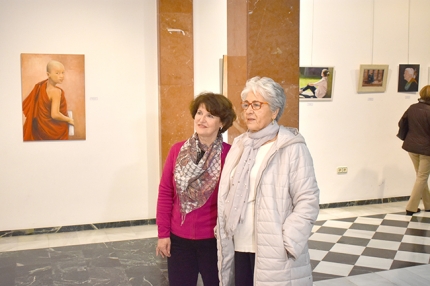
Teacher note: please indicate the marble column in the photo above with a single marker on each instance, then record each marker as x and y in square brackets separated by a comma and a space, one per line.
[176, 67]
[263, 40]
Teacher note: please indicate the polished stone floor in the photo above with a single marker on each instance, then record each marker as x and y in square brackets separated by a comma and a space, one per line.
[359, 245]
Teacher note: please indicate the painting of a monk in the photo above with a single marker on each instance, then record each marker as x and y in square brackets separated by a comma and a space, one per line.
[45, 108]
[47, 115]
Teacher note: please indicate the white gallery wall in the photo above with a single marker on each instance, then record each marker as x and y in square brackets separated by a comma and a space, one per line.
[113, 175]
[358, 130]
[210, 44]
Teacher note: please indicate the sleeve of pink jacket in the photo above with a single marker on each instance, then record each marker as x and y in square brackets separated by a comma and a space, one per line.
[166, 192]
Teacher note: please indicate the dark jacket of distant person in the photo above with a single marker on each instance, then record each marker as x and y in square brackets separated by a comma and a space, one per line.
[418, 137]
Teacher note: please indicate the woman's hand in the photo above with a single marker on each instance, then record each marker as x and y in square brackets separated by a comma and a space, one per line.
[163, 247]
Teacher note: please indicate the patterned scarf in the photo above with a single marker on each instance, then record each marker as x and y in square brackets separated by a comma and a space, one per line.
[239, 188]
[196, 179]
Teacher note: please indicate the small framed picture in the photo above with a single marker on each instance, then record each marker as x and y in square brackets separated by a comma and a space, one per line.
[372, 78]
[316, 83]
[408, 78]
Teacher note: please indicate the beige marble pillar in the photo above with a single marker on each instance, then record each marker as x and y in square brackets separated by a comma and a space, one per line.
[263, 40]
[176, 67]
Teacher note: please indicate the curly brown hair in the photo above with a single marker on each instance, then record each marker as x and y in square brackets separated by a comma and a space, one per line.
[217, 105]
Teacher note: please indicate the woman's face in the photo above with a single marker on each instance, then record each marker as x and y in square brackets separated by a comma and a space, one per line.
[206, 124]
[258, 119]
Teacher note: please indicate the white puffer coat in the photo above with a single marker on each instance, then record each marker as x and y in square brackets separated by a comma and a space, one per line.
[287, 205]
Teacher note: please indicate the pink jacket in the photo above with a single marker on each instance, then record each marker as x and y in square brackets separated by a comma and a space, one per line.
[198, 224]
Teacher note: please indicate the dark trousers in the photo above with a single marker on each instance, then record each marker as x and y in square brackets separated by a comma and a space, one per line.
[188, 258]
[244, 264]
[311, 88]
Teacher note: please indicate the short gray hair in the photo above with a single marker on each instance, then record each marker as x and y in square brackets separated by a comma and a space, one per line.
[410, 71]
[271, 91]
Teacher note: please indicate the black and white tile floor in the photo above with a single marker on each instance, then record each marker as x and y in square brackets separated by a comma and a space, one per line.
[347, 247]
[360, 245]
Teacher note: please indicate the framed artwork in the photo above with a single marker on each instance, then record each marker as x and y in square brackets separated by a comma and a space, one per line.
[316, 83]
[408, 78]
[372, 78]
[53, 97]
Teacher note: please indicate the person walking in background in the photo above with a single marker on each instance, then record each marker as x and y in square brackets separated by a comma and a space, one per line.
[319, 88]
[417, 144]
[268, 197]
[187, 198]
[45, 108]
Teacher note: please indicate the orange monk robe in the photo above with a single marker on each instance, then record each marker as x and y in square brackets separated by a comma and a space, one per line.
[39, 125]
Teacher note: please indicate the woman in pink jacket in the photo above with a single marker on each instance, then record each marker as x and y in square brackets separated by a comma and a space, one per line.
[187, 198]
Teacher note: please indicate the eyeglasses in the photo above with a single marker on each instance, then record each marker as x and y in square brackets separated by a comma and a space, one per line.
[255, 105]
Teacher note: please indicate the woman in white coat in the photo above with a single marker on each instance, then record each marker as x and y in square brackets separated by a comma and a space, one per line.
[268, 197]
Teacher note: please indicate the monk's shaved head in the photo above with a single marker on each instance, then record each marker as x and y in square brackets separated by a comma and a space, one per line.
[53, 64]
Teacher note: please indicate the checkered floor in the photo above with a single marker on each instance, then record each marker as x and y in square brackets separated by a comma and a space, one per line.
[389, 249]
[366, 244]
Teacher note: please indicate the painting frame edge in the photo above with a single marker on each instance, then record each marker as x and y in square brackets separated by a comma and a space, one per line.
[330, 84]
[370, 89]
